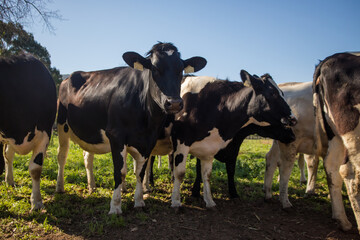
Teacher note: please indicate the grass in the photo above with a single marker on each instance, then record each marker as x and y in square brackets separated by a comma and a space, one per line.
[77, 210]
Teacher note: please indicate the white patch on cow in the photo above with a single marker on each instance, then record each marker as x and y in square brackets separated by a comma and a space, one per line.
[209, 146]
[256, 122]
[195, 84]
[352, 139]
[25, 147]
[115, 204]
[100, 148]
[169, 52]
[179, 172]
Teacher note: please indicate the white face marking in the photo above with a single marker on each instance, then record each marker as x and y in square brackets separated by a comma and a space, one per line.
[169, 52]
[256, 122]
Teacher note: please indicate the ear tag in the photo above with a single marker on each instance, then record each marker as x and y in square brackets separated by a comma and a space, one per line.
[138, 66]
[247, 84]
[189, 69]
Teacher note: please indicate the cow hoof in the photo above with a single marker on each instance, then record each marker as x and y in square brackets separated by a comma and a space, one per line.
[345, 226]
[210, 205]
[59, 189]
[178, 210]
[37, 206]
[115, 210]
[268, 200]
[139, 204]
[212, 209]
[288, 209]
[91, 190]
[310, 194]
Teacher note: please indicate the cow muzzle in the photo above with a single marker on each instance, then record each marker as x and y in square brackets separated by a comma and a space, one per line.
[289, 121]
[173, 105]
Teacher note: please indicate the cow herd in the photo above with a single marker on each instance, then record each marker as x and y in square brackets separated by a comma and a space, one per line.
[150, 108]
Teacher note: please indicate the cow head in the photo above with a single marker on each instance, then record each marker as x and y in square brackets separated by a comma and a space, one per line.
[268, 108]
[166, 71]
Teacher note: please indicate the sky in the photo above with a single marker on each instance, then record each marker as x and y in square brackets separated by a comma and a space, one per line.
[285, 38]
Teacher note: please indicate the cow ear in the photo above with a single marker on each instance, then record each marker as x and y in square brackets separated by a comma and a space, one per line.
[136, 61]
[194, 64]
[250, 81]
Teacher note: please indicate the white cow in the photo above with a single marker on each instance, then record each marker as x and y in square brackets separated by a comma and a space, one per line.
[299, 98]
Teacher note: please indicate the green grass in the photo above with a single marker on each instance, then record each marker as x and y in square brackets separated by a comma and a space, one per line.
[89, 212]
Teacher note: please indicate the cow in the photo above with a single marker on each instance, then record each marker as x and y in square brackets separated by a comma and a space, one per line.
[299, 96]
[28, 110]
[121, 110]
[218, 114]
[336, 88]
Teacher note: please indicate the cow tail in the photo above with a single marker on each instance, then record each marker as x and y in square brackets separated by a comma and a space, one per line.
[2, 159]
[320, 136]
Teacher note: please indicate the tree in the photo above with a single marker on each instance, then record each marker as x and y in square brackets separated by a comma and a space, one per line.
[15, 40]
[27, 11]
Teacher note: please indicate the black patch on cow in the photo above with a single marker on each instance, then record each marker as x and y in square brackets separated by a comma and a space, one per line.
[2, 160]
[66, 128]
[77, 80]
[143, 169]
[178, 159]
[31, 136]
[39, 159]
[30, 95]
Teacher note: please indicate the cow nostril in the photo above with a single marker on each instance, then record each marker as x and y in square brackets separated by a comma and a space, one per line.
[167, 104]
[293, 121]
[181, 105]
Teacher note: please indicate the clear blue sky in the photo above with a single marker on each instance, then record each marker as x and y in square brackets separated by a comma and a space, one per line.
[285, 38]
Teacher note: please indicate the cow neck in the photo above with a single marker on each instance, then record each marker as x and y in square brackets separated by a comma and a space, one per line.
[152, 98]
[241, 106]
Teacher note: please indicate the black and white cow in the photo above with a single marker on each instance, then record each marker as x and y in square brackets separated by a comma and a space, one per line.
[218, 112]
[336, 87]
[122, 110]
[27, 110]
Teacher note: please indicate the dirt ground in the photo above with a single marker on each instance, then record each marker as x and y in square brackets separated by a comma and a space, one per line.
[232, 219]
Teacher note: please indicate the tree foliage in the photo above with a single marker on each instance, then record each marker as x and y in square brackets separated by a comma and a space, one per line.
[27, 12]
[15, 40]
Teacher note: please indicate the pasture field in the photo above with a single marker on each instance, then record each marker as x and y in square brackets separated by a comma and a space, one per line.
[77, 214]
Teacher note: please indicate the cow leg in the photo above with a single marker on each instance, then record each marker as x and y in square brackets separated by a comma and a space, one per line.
[159, 163]
[312, 163]
[141, 164]
[63, 149]
[9, 158]
[301, 164]
[206, 168]
[230, 169]
[149, 175]
[180, 153]
[118, 152]
[272, 158]
[196, 185]
[35, 168]
[2, 158]
[287, 160]
[350, 171]
[332, 164]
[89, 164]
